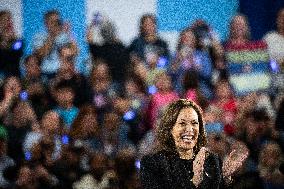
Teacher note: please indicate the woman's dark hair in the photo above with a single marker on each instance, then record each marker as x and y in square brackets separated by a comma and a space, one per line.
[165, 139]
[143, 19]
[279, 122]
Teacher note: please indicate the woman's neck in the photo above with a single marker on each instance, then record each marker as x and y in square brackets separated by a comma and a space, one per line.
[186, 154]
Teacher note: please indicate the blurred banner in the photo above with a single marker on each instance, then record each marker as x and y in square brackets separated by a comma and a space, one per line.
[249, 67]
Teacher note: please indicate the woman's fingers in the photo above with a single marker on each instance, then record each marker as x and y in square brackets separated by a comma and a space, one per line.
[234, 161]
[198, 166]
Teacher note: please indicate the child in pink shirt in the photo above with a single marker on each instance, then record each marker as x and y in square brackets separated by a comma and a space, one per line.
[227, 104]
[164, 95]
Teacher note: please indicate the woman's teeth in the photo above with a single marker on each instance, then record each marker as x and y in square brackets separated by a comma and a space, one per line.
[187, 138]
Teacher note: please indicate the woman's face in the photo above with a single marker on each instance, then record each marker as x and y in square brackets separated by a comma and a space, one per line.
[186, 129]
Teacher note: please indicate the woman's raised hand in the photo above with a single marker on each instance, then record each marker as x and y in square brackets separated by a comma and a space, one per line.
[234, 160]
[198, 166]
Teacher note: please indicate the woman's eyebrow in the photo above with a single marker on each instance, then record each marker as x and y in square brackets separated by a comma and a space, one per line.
[188, 120]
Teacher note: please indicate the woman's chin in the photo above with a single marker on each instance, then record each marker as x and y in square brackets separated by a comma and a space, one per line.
[187, 145]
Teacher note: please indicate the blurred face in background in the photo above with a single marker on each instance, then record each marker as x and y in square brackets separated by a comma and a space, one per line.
[239, 28]
[255, 129]
[131, 88]
[163, 82]
[100, 72]
[32, 67]
[111, 121]
[223, 90]
[98, 165]
[66, 70]
[101, 77]
[280, 21]
[89, 124]
[152, 59]
[52, 23]
[149, 26]
[65, 97]
[6, 23]
[218, 144]
[50, 123]
[13, 86]
[270, 155]
[67, 54]
[26, 178]
[188, 39]
[22, 114]
[121, 105]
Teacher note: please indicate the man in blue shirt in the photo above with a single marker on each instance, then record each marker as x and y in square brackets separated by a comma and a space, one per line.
[46, 45]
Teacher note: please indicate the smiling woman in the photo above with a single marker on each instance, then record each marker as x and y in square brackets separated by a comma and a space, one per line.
[181, 159]
[185, 132]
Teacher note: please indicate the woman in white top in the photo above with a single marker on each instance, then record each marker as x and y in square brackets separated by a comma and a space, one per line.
[275, 40]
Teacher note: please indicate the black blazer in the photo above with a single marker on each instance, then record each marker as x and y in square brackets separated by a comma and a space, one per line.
[167, 171]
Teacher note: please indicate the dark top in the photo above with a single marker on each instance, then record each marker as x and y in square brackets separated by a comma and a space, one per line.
[165, 171]
[81, 88]
[139, 46]
[10, 58]
[116, 58]
[15, 141]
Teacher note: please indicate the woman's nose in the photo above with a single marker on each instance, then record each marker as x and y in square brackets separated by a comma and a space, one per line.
[189, 128]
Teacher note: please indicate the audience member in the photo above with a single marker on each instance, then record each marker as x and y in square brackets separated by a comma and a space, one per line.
[46, 45]
[148, 40]
[112, 51]
[59, 129]
[11, 47]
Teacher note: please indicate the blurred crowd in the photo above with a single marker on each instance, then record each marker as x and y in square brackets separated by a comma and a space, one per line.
[60, 128]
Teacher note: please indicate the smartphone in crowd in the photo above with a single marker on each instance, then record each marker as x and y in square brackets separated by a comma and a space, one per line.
[65, 139]
[24, 96]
